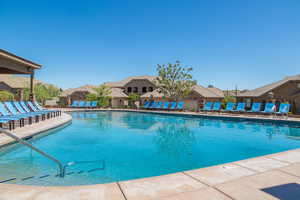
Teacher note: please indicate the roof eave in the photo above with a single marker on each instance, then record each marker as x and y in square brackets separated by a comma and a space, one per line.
[19, 59]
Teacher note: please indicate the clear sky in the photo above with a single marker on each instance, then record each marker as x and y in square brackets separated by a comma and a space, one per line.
[228, 42]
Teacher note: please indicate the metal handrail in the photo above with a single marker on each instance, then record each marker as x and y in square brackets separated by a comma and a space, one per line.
[60, 165]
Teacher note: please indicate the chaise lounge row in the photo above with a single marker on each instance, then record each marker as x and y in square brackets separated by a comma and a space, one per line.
[84, 104]
[270, 108]
[164, 105]
[13, 113]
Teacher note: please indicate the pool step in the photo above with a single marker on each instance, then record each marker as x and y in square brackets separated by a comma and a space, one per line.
[49, 175]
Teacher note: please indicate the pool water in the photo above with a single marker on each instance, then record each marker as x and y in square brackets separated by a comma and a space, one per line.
[116, 146]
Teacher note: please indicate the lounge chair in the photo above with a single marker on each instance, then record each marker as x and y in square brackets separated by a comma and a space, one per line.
[166, 105]
[207, 106]
[284, 109]
[146, 104]
[269, 108]
[41, 109]
[240, 107]
[81, 104]
[216, 106]
[229, 107]
[180, 105]
[150, 104]
[153, 105]
[8, 117]
[74, 104]
[28, 110]
[255, 108]
[32, 108]
[94, 104]
[173, 105]
[7, 121]
[158, 105]
[87, 104]
[21, 110]
[14, 111]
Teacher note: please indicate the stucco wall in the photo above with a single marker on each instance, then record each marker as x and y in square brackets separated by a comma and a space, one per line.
[286, 92]
[139, 84]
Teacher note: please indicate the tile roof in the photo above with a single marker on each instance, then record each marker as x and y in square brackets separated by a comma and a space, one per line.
[123, 82]
[208, 92]
[264, 89]
[115, 92]
[14, 81]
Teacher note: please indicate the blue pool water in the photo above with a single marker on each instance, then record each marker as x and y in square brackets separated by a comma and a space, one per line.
[127, 145]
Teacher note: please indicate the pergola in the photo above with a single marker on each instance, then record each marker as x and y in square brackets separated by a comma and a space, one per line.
[12, 64]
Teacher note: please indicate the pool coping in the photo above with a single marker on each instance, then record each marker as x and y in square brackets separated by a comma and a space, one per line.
[219, 115]
[241, 179]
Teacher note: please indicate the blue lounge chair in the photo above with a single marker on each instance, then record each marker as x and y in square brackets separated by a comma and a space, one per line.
[87, 104]
[21, 110]
[81, 104]
[159, 105]
[94, 104]
[74, 104]
[173, 105]
[240, 107]
[269, 108]
[216, 106]
[255, 108]
[7, 121]
[41, 109]
[146, 104]
[5, 115]
[180, 105]
[166, 105]
[229, 107]
[153, 105]
[150, 104]
[284, 109]
[12, 109]
[32, 108]
[207, 106]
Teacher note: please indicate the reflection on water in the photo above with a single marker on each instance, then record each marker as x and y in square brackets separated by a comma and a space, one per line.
[174, 139]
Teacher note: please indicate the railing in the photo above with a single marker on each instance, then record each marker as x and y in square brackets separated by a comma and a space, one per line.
[59, 164]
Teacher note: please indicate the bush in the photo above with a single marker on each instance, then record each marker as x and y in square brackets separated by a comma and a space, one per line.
[91, 97]
[6, 96]
[132, 98]
[228, 99]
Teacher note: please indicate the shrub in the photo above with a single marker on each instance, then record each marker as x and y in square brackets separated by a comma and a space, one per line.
[6, 96]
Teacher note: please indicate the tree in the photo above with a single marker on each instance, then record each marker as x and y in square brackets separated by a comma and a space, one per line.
[6, 96]
[102, 95]
[42, 92]
[132, 98]
[174, 81]
[227, 99]
[91, 97]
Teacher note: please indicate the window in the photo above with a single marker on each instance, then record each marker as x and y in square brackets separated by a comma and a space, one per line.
[150, 89]
[298, 85]
[135, 89]
[144, 89]
[129, 89]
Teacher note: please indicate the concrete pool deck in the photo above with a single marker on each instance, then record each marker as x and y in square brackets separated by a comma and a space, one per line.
[267, 177]
[35, 129]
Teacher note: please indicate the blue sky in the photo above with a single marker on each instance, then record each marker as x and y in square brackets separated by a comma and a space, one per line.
[228, 42]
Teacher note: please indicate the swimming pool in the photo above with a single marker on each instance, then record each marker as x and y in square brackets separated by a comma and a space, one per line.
[114, 146]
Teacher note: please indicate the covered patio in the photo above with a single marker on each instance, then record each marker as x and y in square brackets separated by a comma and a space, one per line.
[13, 64]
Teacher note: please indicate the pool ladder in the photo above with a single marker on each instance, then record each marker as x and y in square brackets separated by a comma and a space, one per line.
[61, 167]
